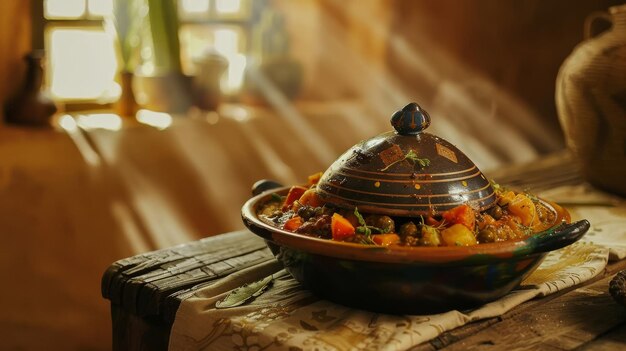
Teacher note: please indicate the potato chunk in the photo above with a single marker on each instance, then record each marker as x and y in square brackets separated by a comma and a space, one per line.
[524, 208]
[458, 235]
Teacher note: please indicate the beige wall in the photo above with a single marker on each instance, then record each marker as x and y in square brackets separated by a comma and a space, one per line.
[350, 48]
[15, 33]
[519, 45]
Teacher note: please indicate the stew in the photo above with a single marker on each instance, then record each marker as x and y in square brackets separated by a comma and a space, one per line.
[516, 215]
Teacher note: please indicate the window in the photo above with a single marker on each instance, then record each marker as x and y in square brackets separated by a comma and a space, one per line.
[81, 56]
[223, 26]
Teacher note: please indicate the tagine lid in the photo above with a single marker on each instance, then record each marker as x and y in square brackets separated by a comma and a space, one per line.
[405, 172]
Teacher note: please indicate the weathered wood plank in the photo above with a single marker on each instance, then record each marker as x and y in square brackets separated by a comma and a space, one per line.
[131, 332]
[139, 293]
[561, 324]
[611, 341]
[119, 272]
[187, 263]
[139, 283]
[173, 301]
[152, 295]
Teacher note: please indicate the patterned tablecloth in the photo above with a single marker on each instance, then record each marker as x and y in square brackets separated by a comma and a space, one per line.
[288, 317]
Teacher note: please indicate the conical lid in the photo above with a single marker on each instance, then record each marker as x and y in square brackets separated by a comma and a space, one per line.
[406, 172]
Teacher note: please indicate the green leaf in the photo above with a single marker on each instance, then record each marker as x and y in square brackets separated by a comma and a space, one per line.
[362, 230]
[411, 155]
[242, 294]
[359, 217]
[423, 162]
[413, 158]
[276, 197]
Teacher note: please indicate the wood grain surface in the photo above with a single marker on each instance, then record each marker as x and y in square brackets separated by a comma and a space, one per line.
[141, 284]
[536, 324]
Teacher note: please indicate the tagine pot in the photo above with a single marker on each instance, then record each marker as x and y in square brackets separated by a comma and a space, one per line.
[406, 172]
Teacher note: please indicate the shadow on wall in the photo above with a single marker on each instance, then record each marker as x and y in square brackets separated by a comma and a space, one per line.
[474, 63]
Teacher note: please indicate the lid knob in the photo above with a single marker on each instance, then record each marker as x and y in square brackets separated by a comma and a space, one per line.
[411, 120]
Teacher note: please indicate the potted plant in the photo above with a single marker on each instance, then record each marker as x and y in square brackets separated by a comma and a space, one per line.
[148, 33]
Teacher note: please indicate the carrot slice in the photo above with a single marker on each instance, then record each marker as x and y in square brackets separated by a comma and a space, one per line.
[294, 194]
[293, 223]
[461, 215]
[386, 239]
[340, 227]
[311, 198]
[314, 178]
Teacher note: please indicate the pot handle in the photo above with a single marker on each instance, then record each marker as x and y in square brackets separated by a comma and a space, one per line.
[588, 26]
[264, 185]
[561, 236]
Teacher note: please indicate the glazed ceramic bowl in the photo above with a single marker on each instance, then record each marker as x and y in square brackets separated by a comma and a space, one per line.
[407, 173]
[408, 280]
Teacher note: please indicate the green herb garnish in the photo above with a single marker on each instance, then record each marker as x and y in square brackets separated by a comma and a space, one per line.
[413, 158]
[276, 197]
[359, 217]
[243, 294]
[365, 229]
[369, 229]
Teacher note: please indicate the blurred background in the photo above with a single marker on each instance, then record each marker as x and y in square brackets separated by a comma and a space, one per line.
[133, 125]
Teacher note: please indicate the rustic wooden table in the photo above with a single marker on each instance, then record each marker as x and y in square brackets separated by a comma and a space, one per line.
[146, 290]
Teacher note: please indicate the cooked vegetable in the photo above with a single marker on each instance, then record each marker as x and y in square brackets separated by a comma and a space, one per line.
[294, 194]
[430, 236]
[483, 220]
[514, 216]
[505, 197]
[458, 235]
[293, 223]
[310, 198]
[461, 215]
[523, 207]
[341, 228]
[386, 239]
[314, 178]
